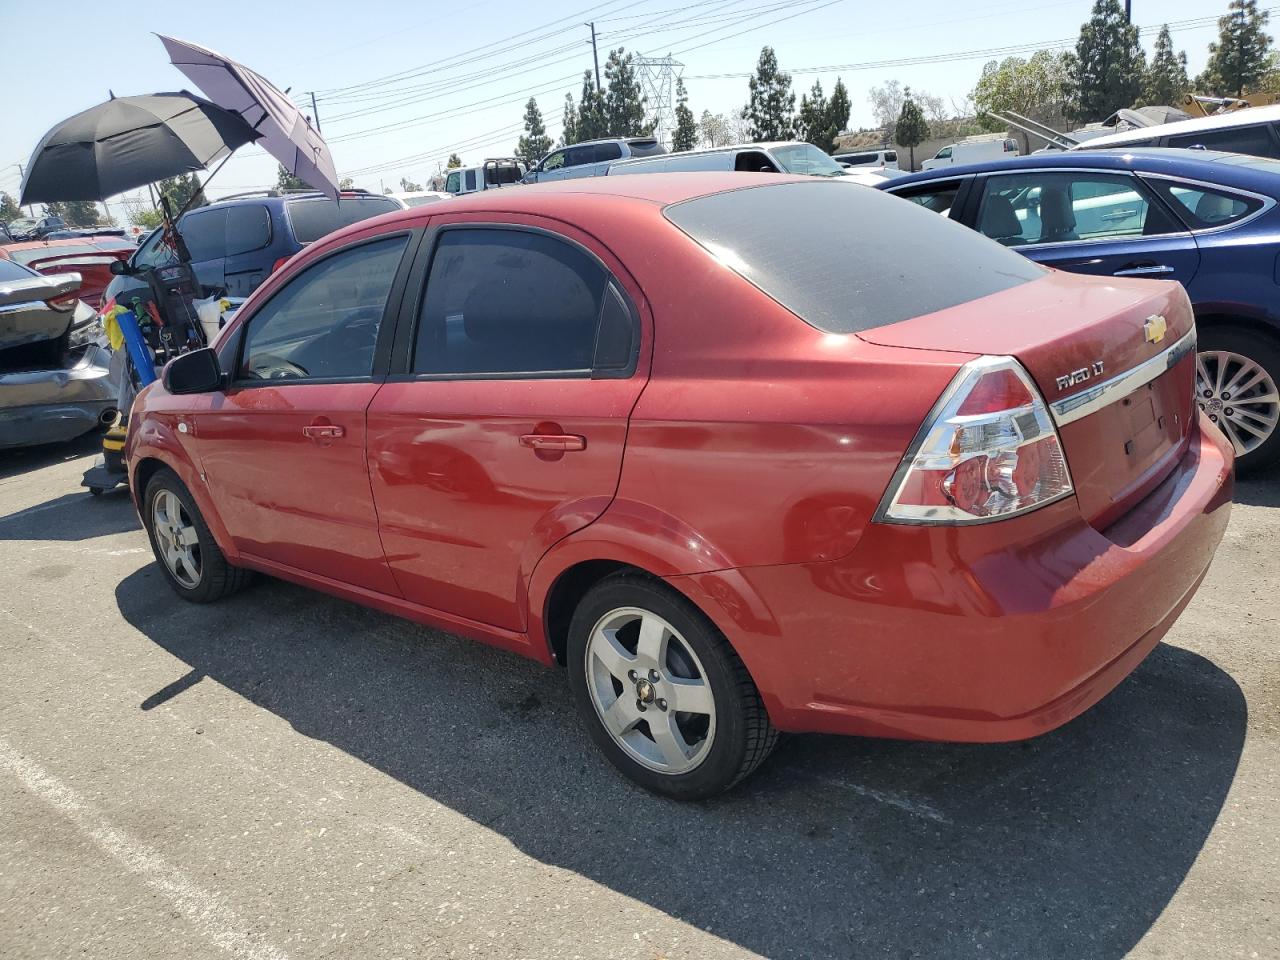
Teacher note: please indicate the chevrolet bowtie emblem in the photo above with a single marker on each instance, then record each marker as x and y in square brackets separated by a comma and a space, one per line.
[1154, 329]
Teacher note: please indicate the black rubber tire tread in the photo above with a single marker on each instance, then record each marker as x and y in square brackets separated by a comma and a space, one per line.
[1263, 350]
[219, 579]
[730, 762]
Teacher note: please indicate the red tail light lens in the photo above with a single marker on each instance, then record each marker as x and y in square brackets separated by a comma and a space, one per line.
[279, 263]
[990, 451]
[64, 303]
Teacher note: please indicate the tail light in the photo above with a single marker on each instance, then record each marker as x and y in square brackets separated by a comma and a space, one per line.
[279, 263]
[988, 451]
[63, 303]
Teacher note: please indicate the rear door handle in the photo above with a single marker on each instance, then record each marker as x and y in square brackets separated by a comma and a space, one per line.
[553, 441]
[1143, 270]
[324, 431]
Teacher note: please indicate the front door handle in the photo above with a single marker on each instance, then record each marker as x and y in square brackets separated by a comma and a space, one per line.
[324, 431]
[1143, 270]
[558, 442]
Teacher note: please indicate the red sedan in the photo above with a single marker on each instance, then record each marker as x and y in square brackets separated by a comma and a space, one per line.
[91, 258]
[744, 454]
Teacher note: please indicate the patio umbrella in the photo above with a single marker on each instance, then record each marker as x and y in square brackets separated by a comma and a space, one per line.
[286, 134]
[128, 142]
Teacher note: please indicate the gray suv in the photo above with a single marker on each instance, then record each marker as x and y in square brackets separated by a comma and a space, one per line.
[591, 159]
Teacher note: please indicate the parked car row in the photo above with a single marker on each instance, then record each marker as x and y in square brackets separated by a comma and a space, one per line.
[744, 454]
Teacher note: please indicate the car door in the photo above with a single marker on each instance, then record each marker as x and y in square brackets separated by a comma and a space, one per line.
[248, 234]
[1086, 221]
[502, 428]
[283, 447]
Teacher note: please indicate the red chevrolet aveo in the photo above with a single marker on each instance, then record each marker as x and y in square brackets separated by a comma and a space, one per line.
[744, 454]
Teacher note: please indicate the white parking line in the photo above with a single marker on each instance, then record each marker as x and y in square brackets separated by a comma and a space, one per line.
[200, 907]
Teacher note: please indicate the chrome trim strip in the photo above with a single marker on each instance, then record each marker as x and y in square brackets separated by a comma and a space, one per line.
[1080, 405]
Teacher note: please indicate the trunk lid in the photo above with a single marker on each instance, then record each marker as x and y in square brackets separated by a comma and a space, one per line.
[1122, 398]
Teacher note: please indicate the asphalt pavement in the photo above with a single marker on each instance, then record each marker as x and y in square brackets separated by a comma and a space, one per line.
[286, 775]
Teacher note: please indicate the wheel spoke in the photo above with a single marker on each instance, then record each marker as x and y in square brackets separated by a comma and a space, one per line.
[1261, 432]
[1223, 360]
[1235, 387]
[670, 742]
[1204, 381]
[652, 645]
[688, 696]
[1229, 429]
[612, 654]
[621, 717]
[188, 534]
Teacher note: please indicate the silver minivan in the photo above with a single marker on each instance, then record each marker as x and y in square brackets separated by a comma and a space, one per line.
[778, 157]
[591, 159]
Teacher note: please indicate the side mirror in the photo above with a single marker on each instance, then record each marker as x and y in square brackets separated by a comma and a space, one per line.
[119, 268]
[194, 372]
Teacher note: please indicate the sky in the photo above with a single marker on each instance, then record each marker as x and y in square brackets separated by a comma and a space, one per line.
[401, 85]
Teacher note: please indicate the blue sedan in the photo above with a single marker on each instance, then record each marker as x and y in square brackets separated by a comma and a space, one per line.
[1208, 220]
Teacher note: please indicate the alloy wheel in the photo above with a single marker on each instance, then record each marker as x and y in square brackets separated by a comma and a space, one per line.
[1239, 396]
[650, 690]
[178, 539]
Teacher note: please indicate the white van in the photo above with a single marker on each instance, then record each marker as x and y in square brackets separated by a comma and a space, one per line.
[779, 157]
[972, 151]
[887, 159]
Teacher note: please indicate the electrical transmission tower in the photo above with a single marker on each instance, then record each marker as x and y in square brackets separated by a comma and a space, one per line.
[658, 84]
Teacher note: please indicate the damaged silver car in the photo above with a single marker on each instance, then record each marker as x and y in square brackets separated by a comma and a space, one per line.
[56, 376]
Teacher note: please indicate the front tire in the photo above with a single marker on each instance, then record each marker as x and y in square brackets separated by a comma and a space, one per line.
[183, 545]
[661, 691]
[1237, 373]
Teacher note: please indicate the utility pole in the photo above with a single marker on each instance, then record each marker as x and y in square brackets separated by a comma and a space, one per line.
[1128, 11]
[595, 53]
[315, 111]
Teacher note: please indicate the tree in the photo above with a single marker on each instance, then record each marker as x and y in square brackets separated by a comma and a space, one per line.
[912, 129]
[179, 191]
[838, 108]
[454, 161]
[570, 123]
[1109, 63]
[623, 102]
[886, 106]
[1165, 81]
[685, 136]
[81, 213]
[768, 113]
[9, 209]
[1241, 57]
[592, 124]
[714, 129]
[1034, 88]
[346, 183]
[408, 186]
[147, 219]
[535, 143]
[811, 120]
[288, 181]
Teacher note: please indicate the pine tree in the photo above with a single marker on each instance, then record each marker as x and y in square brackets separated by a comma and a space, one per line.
[180, 189]
[1241, 57]
[454, 161]
[912, 129]
[838, 108]
[535, 143]
[769, 111]
[1165, 81]
[9, 209]
[592, 124]
[1109, 63]
[570, 132]
[82, 213]
[686, 132]
[811, 120]
[623, 102]
[286, 180]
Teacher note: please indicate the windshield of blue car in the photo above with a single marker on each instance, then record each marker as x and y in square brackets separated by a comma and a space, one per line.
[807, 159]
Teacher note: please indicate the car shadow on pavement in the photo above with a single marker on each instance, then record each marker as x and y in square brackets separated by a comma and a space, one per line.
[72, 517]
[1259, 488]
[19, 460]
[1067, 846]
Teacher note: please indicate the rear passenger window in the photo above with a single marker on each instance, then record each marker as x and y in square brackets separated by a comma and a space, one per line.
[515, 302]
[471, 179]
[205, 234]
[248, 228]
[938, 197]
[605, 152]
[1061, 207]
[1203, 207]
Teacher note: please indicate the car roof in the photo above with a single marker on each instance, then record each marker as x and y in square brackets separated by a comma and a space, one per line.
[1211, 165]
[1219, 121]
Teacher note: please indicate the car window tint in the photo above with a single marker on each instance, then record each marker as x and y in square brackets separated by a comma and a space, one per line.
[324, 323]
[605, 152]
[1059, 207]
[506, 301]
[248, 228]
[451, 182]
[807, 246]
[155, 252]
[312, 218]
[1256, 140]
[1204, 207]
[555, 161]
[938, 197]
[205, 233]
[10, 271]
[891, 157]
[470, 177]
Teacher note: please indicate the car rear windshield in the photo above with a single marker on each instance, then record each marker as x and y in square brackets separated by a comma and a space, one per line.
[313, 218]
[845, 257]
[10, 271]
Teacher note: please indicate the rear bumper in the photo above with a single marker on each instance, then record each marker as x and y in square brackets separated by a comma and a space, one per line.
[988, 633]
[49, 406]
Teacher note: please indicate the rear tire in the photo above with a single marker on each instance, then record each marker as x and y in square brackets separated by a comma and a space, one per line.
[183, 545]
[1231, 358]
[638, 652]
